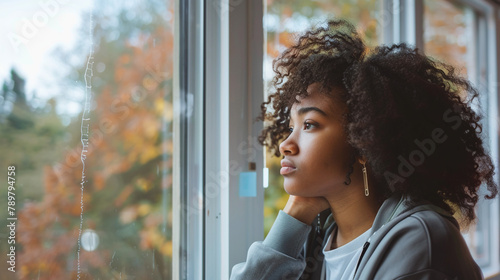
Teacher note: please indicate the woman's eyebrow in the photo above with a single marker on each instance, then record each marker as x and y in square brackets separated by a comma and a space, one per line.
[304, 110]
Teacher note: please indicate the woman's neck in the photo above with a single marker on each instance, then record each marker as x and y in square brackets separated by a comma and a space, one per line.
[354, 213]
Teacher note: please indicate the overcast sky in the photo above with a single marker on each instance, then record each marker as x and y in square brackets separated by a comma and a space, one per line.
[29, 32]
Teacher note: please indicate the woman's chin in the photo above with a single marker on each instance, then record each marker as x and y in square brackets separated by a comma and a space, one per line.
[289, 189]
[294, 190]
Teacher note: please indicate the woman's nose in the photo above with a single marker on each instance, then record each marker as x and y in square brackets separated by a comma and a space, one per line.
[288, 146]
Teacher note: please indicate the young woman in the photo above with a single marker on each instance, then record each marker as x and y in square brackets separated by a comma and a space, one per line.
[380, 148]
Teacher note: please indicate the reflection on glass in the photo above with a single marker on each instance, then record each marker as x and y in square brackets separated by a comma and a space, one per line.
[89, 240]
[283, 21]
[127, 213]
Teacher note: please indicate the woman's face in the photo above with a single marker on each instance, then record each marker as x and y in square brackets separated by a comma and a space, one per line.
[317, 148]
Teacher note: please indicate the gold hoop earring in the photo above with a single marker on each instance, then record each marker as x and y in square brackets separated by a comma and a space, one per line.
[365, 179]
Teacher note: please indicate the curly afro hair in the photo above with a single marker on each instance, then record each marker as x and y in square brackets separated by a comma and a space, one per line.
[408, 115]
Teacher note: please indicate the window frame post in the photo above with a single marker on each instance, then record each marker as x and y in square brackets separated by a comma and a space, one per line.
[234, 89]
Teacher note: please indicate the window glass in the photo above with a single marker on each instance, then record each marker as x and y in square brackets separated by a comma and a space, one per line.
[86, 127]
[445, 32]
[283, 21]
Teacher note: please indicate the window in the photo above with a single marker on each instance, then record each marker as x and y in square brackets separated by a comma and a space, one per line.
[96, 121]
[446, 33]
[128, 128]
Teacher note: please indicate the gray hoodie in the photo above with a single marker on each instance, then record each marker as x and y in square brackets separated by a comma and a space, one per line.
[421, 241]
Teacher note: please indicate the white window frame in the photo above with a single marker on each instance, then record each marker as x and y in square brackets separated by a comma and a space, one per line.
[234, 49]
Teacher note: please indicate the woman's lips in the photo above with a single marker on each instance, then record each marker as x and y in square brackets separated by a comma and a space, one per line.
[287, 170]
[287, 167]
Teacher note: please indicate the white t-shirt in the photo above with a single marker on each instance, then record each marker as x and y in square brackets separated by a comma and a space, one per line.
[340, 263]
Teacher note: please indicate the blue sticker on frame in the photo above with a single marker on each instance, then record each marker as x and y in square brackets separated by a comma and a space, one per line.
[248, 184]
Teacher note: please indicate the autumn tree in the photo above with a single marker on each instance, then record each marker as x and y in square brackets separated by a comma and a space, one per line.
[126, 195]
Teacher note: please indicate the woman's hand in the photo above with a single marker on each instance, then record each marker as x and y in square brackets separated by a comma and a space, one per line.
[305, 209]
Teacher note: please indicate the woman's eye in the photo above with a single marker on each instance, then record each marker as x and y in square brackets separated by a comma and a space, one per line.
[308, 125]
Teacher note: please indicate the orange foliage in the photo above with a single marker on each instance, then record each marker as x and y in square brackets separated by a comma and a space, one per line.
[125, 148]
